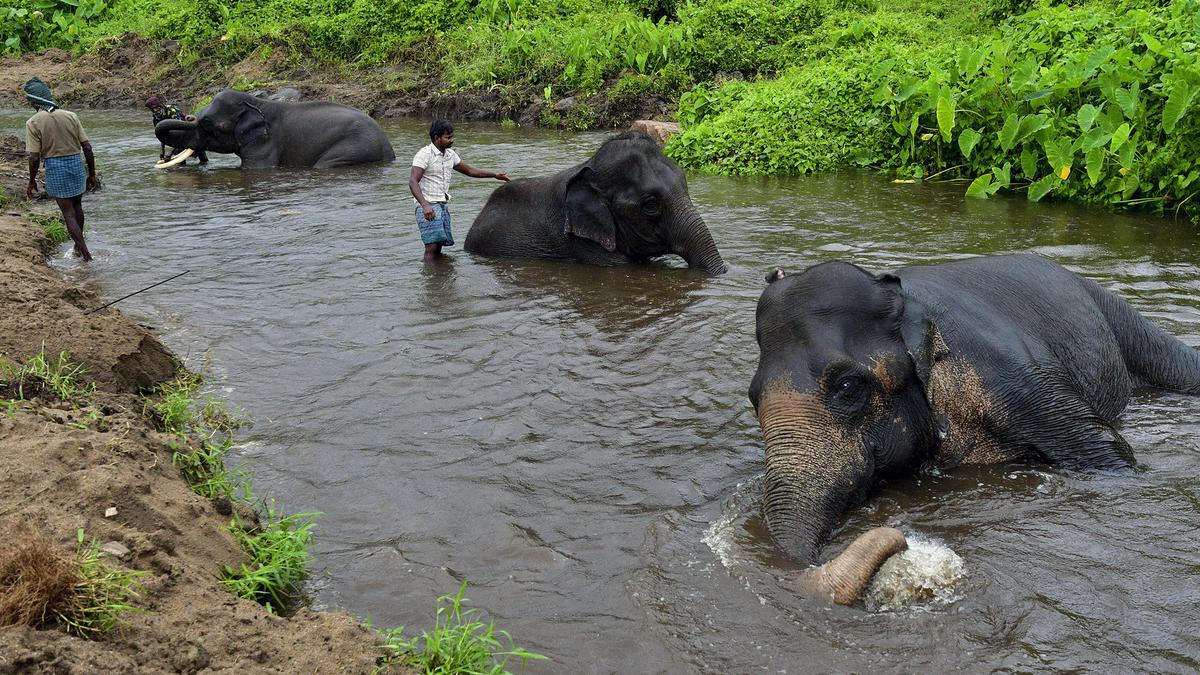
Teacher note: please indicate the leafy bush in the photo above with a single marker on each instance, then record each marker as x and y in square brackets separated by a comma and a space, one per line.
[37, 24]
[750, 36]
[1093, 103]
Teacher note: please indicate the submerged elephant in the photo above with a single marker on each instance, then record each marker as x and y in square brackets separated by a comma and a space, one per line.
[864, 376]
[268, 134]
[629, 202]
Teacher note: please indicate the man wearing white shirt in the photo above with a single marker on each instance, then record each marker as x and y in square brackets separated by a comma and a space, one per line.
[429, 182]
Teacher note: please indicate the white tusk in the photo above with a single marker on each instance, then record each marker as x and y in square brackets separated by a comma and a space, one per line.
[188, 152]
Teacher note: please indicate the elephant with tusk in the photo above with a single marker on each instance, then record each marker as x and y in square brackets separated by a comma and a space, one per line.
[268, 134]
[863, 376]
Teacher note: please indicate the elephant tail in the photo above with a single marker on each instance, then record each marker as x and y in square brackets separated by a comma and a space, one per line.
[1153, 356]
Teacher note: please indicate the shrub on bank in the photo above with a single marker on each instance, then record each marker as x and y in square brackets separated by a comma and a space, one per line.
[1094, 103]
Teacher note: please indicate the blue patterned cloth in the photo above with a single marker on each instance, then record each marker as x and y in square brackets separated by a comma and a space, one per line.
[66, 176]
[436, 231]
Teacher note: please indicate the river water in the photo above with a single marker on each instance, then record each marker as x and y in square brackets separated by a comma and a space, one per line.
[576, 442]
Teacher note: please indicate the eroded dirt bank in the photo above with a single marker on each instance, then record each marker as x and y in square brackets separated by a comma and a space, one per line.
[63, 466]
[125, 73]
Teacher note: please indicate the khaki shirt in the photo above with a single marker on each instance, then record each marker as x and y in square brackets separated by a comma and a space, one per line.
[54, 134]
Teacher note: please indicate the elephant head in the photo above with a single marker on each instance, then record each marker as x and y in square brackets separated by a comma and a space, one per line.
[838, 396]
[632, 200]
[230, 123]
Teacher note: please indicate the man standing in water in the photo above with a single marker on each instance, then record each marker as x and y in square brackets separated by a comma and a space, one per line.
[429, 183]
[55, 136]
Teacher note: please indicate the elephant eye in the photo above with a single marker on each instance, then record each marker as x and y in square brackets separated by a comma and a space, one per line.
[849, 394]
[650, 205]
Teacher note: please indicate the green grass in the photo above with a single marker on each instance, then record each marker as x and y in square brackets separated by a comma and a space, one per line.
[279, 549]
[459, 643]
[279, 553]
[43, 373]
[204, 468]
[53, 226]
[172, 408]
[101, 596]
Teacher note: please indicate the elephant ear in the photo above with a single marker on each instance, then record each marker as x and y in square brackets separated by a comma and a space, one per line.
[251, 126]
[921, 338]
[588, 215]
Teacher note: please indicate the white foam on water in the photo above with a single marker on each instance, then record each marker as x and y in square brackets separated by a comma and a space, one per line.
[926, 574]
[720, 534]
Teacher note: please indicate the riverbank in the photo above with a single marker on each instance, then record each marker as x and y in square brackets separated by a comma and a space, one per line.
[125, 74]
[97, 464]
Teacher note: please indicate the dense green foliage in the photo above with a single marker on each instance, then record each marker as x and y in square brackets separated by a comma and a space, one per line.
[1096, 103]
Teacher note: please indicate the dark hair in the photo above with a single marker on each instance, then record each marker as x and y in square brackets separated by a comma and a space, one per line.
[439, 128]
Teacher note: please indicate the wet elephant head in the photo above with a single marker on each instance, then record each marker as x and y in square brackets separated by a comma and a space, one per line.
[627, 203]
[837, 395]
[230, 122]
[632, 199]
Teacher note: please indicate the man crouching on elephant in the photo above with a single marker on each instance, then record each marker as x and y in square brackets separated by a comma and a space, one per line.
[429, 182]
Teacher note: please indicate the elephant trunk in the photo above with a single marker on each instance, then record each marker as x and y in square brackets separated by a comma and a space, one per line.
[845, 578]
[178, 134]
[692, 241]
[814, 466]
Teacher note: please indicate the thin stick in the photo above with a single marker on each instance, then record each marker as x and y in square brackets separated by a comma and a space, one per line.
[136, 292]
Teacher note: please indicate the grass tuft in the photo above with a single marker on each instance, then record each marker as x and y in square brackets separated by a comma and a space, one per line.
[173, 408]
[40, 587]
[204, 468]
[58, 376]
[458, 643]
[279, 553]
[54, 227]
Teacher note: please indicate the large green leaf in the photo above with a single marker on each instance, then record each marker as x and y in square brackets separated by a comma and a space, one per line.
[967, 138]
[1094, 139]
[1030, 125]
[974, 61]
[945, 114]
[1003, 175]
[1098, 57]
[907, 89]
[1177, 104]
[1008, 133]
[1127, 99]
[1042, 187]
[1152, 43]
[1028, 163]
[979, 187]
[1087, 116]
[1061, 156]
[1095, 165]
[1119, 137]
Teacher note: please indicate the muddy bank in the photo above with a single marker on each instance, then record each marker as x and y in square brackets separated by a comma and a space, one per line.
[124, 74]
[63, 467]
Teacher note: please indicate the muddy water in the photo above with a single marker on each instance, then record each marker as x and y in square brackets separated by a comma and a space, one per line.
[576, 442]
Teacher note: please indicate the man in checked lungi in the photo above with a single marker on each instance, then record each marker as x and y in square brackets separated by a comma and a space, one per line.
[429, 182]
[55, 136]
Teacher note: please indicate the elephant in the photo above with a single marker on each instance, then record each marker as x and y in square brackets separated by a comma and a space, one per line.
[627, 203]
[864, 376]
[269, 134]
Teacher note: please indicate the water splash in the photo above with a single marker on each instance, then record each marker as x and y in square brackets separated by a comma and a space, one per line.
[927, 573]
